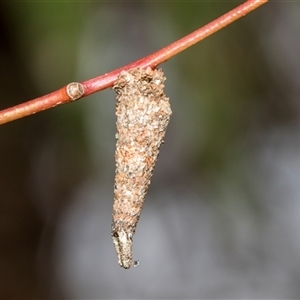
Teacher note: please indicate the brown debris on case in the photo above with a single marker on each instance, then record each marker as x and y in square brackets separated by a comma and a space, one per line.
[143, 113]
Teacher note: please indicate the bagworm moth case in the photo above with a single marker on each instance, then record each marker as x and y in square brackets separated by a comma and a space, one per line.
[143, 113]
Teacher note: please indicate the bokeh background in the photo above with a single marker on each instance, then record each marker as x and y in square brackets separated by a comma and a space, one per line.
[222, 216]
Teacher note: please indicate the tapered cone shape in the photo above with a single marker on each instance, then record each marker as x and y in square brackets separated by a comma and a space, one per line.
[143, 113]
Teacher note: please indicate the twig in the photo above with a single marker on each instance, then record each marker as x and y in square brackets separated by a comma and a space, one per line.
[102, 82]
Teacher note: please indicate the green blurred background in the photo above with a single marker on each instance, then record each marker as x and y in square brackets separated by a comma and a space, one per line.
[222, 216]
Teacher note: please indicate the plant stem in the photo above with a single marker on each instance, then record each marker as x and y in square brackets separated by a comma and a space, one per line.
[153, 60]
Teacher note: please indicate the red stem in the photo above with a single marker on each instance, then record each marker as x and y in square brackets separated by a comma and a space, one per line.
[153, 60]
